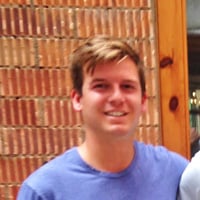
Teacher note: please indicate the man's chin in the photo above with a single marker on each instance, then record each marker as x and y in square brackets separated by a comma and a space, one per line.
[119, 131]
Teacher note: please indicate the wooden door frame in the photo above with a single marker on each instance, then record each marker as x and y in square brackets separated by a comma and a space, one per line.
[173, 73]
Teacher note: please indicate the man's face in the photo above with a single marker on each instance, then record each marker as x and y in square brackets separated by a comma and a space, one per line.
[111, 101]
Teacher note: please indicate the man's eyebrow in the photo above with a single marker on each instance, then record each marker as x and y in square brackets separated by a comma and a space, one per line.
[130, 80]
[98, 80]
[133, 81]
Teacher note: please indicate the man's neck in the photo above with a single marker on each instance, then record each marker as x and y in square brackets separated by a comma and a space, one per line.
[110, 157]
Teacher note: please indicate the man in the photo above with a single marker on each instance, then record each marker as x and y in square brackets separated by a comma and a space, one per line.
[109, 91]
[190, 180]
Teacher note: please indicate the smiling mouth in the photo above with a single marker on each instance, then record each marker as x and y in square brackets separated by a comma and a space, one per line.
[116, 114]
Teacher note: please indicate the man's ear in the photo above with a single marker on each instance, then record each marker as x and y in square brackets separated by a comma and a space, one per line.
[76, 100]
[144, 102]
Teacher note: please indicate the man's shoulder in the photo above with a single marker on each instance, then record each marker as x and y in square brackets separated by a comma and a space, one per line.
[53, 168]
[160, 154]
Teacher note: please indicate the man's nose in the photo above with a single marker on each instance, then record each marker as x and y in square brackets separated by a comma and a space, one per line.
[116, 96]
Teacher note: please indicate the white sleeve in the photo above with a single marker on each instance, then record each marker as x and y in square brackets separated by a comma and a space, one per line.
[190, 181]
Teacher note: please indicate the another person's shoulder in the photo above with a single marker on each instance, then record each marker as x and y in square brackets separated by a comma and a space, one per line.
[196, 159]
[192, 171]
[190, 180]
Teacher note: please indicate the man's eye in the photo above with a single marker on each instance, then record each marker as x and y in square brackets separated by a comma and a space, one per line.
[101, 86]
[127, 86]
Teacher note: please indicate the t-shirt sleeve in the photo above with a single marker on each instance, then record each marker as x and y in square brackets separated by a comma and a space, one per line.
[27, 193]
[181, 162]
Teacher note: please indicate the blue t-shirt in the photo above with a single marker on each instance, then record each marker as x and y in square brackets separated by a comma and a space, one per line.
[154, 174]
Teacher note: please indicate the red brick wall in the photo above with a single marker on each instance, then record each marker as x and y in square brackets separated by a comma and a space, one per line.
[36, 118]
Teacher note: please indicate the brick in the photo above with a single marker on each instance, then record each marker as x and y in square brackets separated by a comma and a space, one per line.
[59, 141]
[64, 82]
[121, 19]
[40, 141]
[18, 112]
[27, 50]
[81, 30]
[151, 82]
[145, 23]
[145, 3]
[8, 20]
[23, 91]
[49, 140]
[42, 48]
[74, 117]
[67, 49]
[13, 191]
[33, 24]
[43, 141]
[54, 53]
[57, 110]
[1, 21]
[24, 111]
[69, 2]
[39, 27]
[32, 117]
[48, 21]
[36, 114]
[127, 3]
[4, 89]
[25, 20]
[13, 79]
[48, 112]
[64, 112]
[3, 192]
[96, 21]
[136, 3]
[51, 51]
[60, 112]
[148, 135]
[147, 54]
[38, 82]
[32, 142]
[30, 82]
[74, 137]
[8, 147]
[1, 114]
[153, 116]
[67, 22]
[6, 112]
[56, 17]
[29, 117]
[17, 169]
[4, 170]
[46, 83]
[61, 23]
[12, 141]
[8, 51]
[17, 52]
[16, 21]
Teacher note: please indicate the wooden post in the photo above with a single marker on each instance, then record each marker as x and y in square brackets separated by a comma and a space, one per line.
[172, 50]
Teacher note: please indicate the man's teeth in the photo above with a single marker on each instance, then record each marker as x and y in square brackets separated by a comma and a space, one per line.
[116, 114]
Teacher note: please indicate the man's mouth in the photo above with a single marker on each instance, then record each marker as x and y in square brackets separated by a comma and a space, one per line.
[116, 113]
